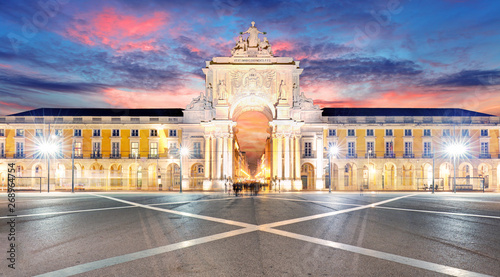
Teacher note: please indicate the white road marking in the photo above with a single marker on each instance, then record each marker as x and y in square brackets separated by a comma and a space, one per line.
[143, 254]
[69, 212]
[379, 254]
[266, 228]
[316, 216]
[209, 218]
[311, 201]
[437, 212]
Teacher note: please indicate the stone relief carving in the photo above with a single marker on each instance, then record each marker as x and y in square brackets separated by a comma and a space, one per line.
[252, 81]
[306, 103]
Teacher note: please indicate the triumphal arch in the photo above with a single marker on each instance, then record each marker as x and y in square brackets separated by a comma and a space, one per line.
[253, 79]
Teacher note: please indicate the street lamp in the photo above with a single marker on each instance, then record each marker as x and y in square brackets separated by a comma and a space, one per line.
[48, 148]
[455, 150]
[334, 150]
[184, 151]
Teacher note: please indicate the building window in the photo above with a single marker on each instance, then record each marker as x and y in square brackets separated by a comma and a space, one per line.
[96, 133]
[2, 150]
[485, 149]
[427, 132]
[370, 149]
[446, 133]
[351, 149]
[153, 150]
[2, 132]
[59, 132]
[39, 133]
[389, 148]
[78, 149]
[19, 132]
[200, 169]
[134, 133]
[369, 133]
[197, 150]
[388, 133]
[115, 133]
[427, 149]
[307, 149]
[134, 150]
[332, 132]
[465, 133]
[172, 133]
[96, 150]
[484, 132]
[408, 133]
[408, 148]
[153, 133]
[115, 150]
[77, 133]
[19, 149]
[172, 149]
[351, 132]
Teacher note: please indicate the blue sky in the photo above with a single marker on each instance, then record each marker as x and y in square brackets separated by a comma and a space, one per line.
[149, 54]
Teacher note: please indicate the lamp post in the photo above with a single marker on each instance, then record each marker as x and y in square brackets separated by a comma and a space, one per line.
[184, 151]
[333, 151]
[73, 167]
[47, 148]
[369, 154]
[455, 150]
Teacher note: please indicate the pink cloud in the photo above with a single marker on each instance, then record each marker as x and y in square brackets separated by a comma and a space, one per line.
[118, 31]
[10, 108]
[149, 99]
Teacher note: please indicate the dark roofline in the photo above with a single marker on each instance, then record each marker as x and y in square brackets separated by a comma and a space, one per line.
[101, 112]
[400, 112]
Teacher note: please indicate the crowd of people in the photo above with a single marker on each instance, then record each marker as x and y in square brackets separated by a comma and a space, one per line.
[251, 188]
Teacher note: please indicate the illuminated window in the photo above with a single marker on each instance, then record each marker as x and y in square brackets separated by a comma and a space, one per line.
[59, 132]
[134, 149]
[153, 149]
[78, 149]
[2, 132]
[370, 147]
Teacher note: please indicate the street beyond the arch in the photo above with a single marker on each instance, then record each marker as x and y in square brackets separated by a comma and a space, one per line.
[270, 234]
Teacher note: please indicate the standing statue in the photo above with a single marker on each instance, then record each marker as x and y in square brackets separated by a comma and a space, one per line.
[222, 90]
[282, 91]
[253, 38]
[210, 91]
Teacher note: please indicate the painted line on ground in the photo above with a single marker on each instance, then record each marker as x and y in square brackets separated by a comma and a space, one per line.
[311, 217]
[378, 254]
[437, 212]
[311, 201]
[251, 228]
[143, 254]
[209, 218]
[70, 212]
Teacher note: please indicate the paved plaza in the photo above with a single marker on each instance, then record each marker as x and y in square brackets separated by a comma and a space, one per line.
[272, 234]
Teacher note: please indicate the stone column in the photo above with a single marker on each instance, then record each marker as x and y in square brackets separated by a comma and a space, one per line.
[207, 157]
[274, 156]
[218, 158]
[225, 156]
[280, 157]
[230, 156]
[319, 162]
[288, 162]
[297, 157]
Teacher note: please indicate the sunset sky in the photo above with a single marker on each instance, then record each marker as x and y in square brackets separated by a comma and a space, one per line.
[149, 54]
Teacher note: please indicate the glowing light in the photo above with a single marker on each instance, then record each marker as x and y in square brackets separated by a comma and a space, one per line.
[47, 147]
[456, 149]
[334, 150]
[184, 151]
[243, 171]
